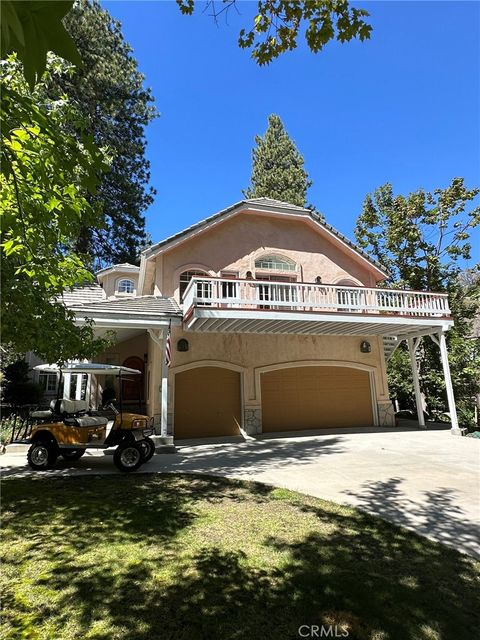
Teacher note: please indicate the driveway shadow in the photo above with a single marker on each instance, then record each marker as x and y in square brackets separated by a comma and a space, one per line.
[437, 516]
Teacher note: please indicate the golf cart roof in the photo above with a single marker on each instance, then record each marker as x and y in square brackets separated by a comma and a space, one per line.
[88, 367]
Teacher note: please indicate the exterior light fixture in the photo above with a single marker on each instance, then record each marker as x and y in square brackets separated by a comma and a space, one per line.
[365, 347]
[182, 345]
[318, 279]
[249, 275]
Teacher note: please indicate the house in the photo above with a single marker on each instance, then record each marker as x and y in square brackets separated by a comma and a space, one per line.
[274, 320]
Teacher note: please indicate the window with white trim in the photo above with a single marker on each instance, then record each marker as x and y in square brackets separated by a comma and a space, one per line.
[126, 286]
[48, 382]
[185, 278]
[275, 262]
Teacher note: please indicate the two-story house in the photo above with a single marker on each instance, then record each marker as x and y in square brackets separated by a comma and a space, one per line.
[276, 323]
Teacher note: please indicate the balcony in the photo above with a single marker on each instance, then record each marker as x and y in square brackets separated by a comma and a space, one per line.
[257, 306]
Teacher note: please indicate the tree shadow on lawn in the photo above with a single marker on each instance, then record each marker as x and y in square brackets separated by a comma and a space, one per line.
[353, 570]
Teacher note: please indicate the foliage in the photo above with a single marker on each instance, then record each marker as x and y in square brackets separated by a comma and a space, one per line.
[278, 170]
[31, 28]
[108, 93]
[125, 556]
[422, 240]
[17, 388]
[279, 23]
[47, 174]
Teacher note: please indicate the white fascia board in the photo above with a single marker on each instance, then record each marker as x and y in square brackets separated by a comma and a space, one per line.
[128, 322]
[319, 317]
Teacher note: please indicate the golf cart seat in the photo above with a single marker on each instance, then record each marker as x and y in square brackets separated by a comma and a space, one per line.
[86, 421]
[74, 413]
[46, 414]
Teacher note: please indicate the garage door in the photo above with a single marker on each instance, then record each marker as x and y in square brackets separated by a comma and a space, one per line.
[316, 397]
[207, 403]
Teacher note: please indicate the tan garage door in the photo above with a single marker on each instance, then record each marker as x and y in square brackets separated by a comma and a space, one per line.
[316, 397]
[207, 403]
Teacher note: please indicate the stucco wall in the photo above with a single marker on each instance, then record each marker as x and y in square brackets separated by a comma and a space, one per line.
[235, 244]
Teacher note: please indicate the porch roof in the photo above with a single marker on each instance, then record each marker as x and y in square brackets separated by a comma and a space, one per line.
[313, 323]
[142, 311]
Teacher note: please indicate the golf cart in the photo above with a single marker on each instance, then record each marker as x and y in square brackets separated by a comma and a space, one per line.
[69, 428]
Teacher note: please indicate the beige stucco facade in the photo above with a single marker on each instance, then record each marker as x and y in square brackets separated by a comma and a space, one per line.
[232, 247]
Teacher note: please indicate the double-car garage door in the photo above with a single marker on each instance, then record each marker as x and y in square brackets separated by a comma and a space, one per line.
[315, 398]
[208, 400]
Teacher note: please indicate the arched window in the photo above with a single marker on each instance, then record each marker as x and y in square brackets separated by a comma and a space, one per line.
[276, 263]
[185, 278]
[126, 286]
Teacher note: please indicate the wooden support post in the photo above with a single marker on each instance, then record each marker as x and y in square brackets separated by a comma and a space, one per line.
[413, 344]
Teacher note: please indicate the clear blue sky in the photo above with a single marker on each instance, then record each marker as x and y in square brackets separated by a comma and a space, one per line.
[402, 107]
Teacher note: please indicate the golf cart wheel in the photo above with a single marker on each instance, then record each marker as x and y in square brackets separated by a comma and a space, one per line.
[72, 454]
[128, 456]
[148, 448]
[42, 455]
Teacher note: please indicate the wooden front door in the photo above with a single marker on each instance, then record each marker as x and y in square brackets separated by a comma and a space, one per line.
[133, 386]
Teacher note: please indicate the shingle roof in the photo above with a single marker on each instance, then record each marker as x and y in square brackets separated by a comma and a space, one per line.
[268, 203]
[142, 304]
[81, 295]
[119, 267]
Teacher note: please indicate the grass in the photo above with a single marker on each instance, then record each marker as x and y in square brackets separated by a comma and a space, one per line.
[147, 557]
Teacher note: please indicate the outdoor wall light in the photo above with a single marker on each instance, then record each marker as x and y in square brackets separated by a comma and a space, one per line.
[249, 275]
[182, 345]
[365, 347]
[318, 279]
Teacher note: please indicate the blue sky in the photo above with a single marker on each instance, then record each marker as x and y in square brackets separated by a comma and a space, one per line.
[402, 107]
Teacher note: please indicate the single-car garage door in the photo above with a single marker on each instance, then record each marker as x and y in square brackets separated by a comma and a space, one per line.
[207, 403]
[316, 397]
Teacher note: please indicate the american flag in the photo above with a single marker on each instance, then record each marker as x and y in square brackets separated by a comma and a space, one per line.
[168, 346]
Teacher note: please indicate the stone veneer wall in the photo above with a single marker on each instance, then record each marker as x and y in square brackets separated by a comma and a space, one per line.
[252, 420]
[386, 414]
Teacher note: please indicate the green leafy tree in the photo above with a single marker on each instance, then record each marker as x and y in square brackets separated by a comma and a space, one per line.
[279, 23]
[422, 240]
[47, 176]
[31, 28]
[108, 92]
[278, 170]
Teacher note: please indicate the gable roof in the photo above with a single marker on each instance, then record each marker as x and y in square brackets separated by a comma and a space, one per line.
[267, 205]
[124, 267]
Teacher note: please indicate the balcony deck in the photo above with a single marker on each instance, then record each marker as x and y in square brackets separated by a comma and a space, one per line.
[261, 306]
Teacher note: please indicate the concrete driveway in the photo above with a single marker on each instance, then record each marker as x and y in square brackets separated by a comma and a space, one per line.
[427, 481]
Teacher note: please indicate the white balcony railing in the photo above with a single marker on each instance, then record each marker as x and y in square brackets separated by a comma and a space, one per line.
[225, 293]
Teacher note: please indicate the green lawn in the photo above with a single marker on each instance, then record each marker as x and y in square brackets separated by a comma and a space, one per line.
[147, 557]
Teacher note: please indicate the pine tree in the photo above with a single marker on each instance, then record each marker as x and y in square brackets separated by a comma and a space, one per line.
[278, 170]
[108, 92]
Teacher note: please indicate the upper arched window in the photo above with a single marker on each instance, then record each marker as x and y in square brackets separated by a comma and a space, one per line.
[185, 278]
[275, 262]
[126, 286]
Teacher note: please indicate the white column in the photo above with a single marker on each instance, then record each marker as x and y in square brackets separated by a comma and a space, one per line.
[66, 385]
[413, 345]
[78, 388]
[439, 339]
[164, 394]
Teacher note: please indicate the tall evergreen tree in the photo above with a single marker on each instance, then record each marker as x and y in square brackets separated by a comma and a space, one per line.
[108, 92]
[278, 170]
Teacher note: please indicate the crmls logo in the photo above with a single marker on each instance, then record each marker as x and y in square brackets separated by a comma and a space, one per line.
[322, 631]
